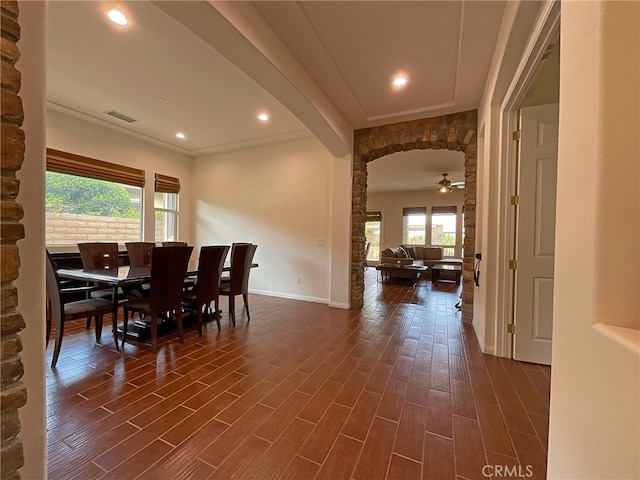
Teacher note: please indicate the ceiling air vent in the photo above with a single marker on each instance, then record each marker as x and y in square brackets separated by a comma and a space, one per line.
[120, 116]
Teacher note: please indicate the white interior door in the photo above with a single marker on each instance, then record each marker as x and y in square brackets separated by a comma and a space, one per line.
[536, 233]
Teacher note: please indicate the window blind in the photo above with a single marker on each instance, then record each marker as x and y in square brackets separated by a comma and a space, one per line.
[72, 164]
[444, 210]
[167, 184]
[414, 211]
[373, 217]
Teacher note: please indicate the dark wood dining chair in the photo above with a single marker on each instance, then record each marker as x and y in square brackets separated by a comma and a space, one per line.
[139, 253]
[173, 244]
[168, 269]
[59, 311]
[207, 287]
[238, 284]
[100, 256]
[139, 256]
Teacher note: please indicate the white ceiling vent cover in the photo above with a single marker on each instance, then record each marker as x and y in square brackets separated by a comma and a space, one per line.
[120, 116]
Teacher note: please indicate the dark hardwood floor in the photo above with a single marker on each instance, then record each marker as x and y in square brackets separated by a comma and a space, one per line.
[398, 390]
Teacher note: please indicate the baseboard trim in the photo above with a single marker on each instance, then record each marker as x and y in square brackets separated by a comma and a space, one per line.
[488, 350]
[290, 296]
[344, 306]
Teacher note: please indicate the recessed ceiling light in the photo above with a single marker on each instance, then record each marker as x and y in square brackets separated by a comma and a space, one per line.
[180, 135]
[400, 81]
[263, 117]
[116, 16]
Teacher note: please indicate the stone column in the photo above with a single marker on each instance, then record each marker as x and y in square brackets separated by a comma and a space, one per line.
[14, 394]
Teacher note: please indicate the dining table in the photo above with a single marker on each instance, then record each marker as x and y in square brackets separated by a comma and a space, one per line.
[123, 276]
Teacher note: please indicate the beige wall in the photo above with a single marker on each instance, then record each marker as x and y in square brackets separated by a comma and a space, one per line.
[278, 197]
[81, 137]
[31, 287]
[392, 203]
[595, 381]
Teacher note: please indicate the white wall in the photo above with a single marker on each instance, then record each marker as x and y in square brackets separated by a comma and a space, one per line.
[278, 197]
[493, 211]
[392, 203]
[31, 286]
[595, 381]
[73, 135]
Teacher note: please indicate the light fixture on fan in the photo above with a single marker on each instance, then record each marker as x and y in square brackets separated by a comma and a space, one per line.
[445, 184]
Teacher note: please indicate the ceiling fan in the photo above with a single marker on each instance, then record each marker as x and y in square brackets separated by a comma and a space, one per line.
[446, 186]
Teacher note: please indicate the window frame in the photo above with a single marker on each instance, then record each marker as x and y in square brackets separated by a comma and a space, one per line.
[445, 210]
[58, 161]
[374, 216]
[413, 211]
[167, 185]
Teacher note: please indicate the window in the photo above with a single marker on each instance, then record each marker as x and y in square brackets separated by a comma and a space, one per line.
[165, 204]
[414, 221]
[372, 224]
[443, 229]
[88, 200]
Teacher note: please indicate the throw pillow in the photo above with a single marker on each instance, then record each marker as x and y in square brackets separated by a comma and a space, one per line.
[411, 251]
[389, 253]
[402, 253]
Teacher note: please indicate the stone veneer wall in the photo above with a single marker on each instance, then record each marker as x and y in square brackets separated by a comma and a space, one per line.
[453, 132]
[14, 394]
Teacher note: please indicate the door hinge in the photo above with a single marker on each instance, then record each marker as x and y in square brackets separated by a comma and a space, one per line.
[516, 135]
[515, 199]
[511, 328]
[513, 264]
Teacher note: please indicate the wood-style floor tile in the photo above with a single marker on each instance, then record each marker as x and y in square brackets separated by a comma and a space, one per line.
[341, 460]
[282, 416]
[357, 425]
[321, 439]
[439, 413]
[131, 445]
[226, 443]
[411, 429]
[530, 453]
[438, 458]
[376, 452]
[403, 468]
[494, 429]
[242, 460]
[392, 400]
[300, 469]
[315, 408]
[468, 448]
[398, 389]
[194, 422]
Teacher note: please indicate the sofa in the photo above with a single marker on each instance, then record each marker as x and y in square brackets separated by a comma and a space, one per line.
[415, 255]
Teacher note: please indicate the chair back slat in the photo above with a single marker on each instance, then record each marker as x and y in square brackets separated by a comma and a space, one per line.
[139, 253]
[168, 270]
[210, 266]
[99, 255]
[173, 244]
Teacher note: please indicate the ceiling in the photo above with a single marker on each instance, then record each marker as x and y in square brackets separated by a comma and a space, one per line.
[179, 67]
[414, 170]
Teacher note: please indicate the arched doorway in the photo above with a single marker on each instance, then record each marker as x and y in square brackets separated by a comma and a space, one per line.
[453, 132]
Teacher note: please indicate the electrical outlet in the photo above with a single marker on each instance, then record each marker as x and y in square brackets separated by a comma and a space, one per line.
[320, 243]
[298, 280]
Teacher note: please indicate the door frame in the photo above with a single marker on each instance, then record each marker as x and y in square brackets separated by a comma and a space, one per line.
[545, 33]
